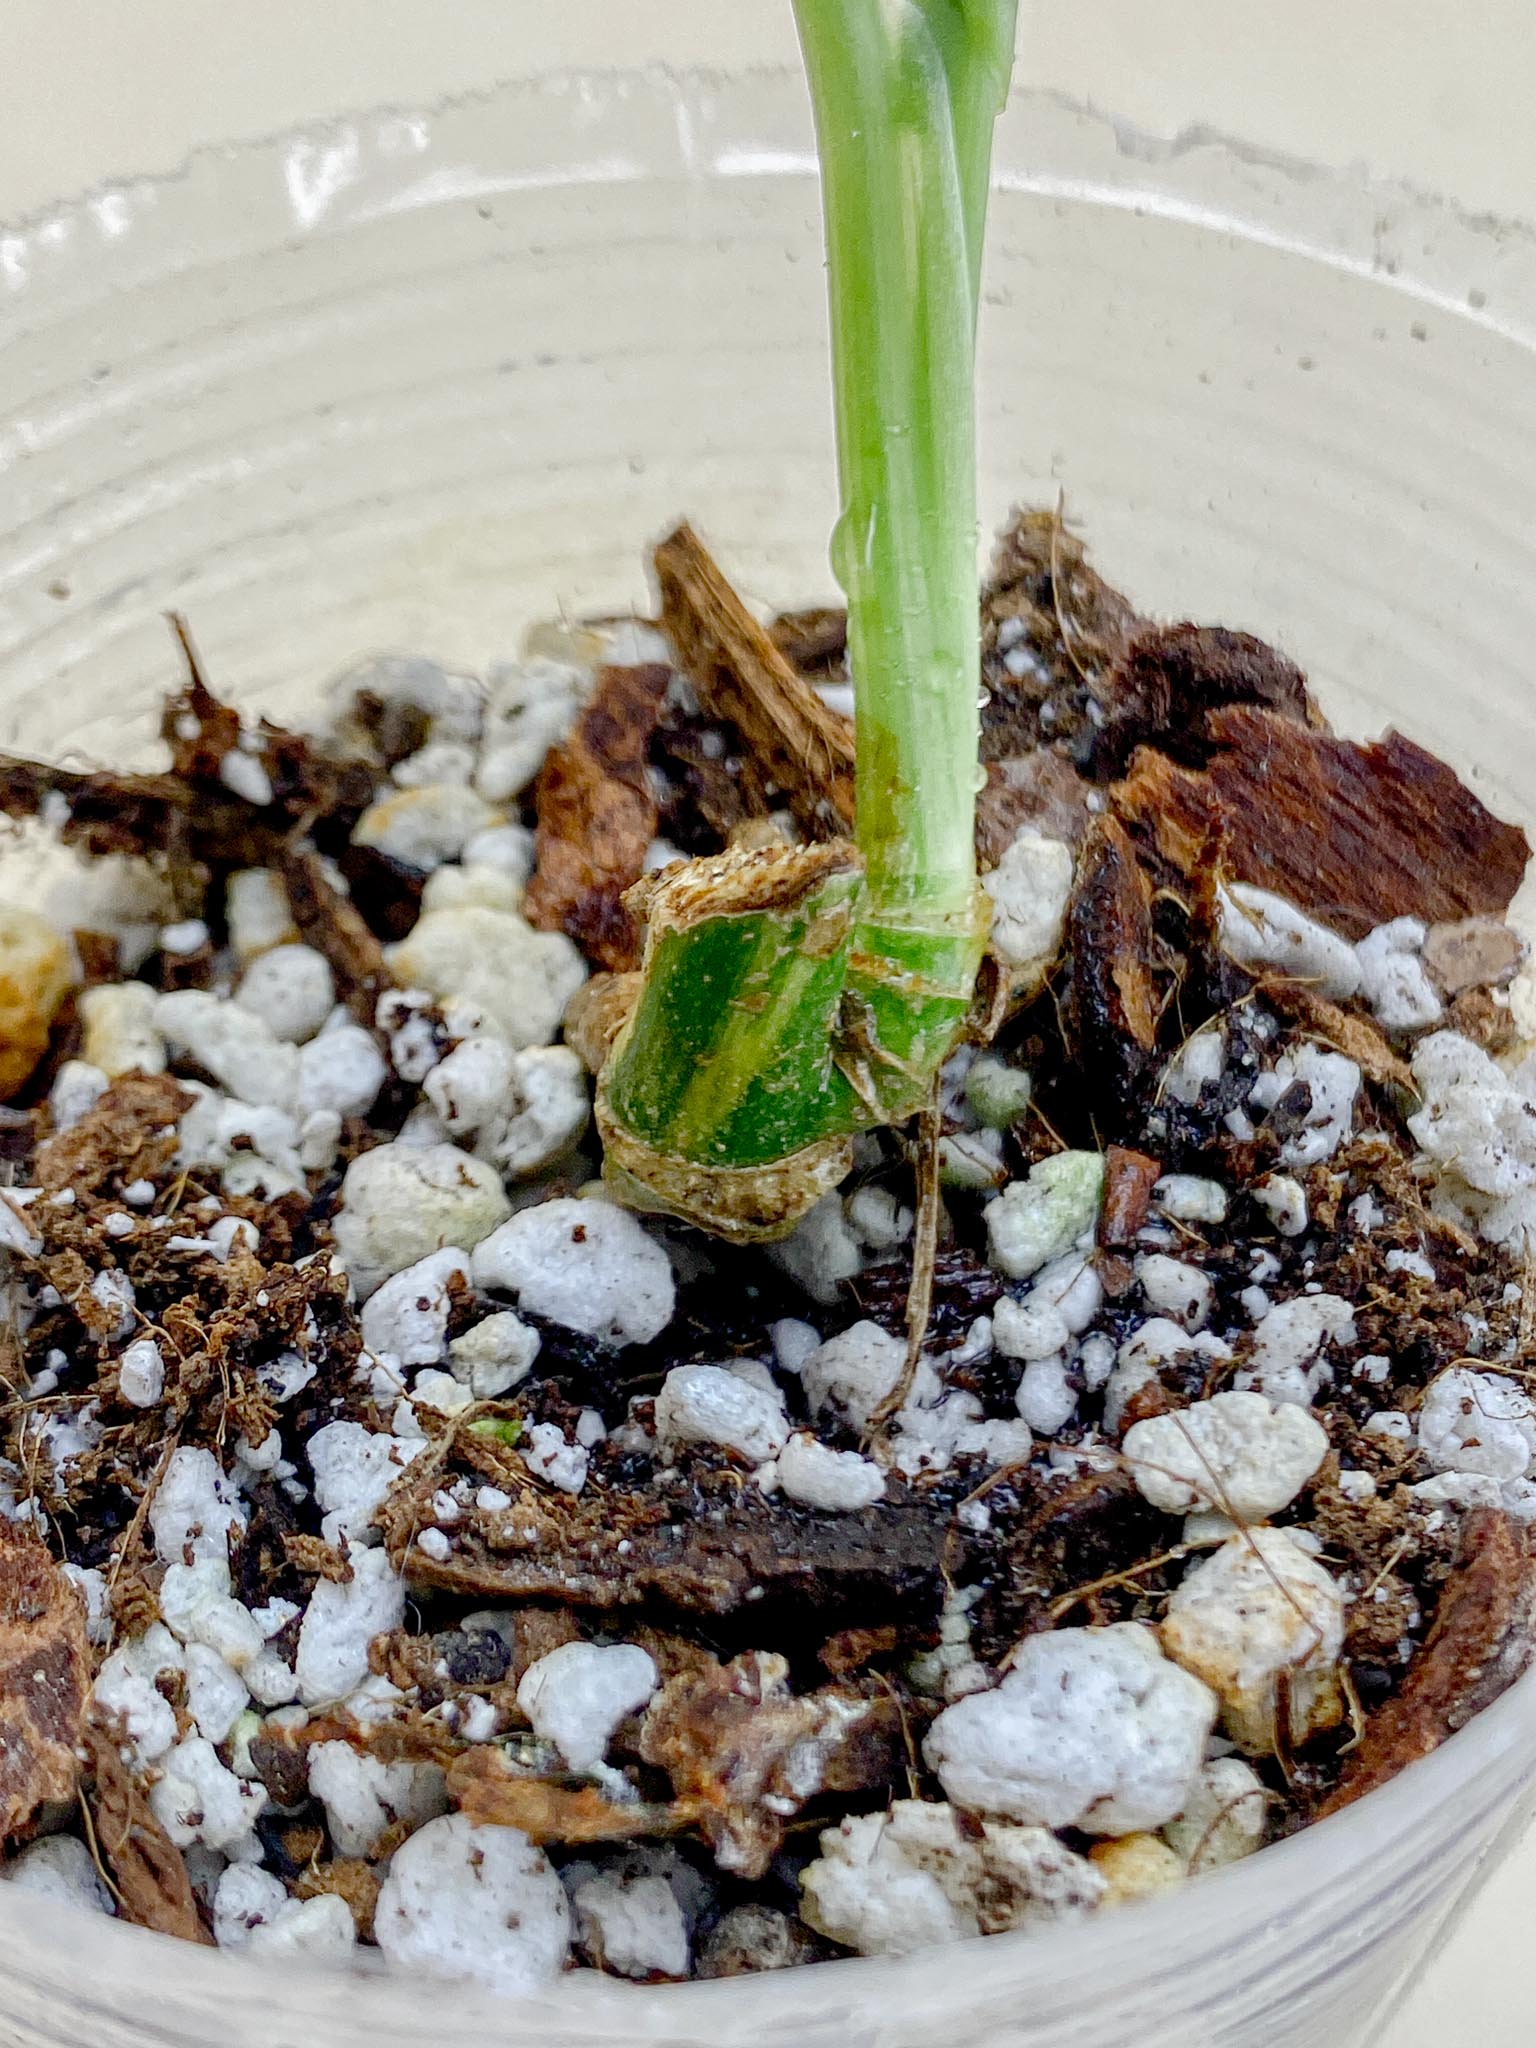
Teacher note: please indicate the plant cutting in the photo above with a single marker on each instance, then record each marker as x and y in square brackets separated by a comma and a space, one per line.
[791, 998]
[517, 1539]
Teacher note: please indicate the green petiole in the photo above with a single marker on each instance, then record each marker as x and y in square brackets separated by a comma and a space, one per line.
[791, 1000]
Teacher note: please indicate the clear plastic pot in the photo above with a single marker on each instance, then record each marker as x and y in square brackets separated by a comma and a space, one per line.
[416, 381]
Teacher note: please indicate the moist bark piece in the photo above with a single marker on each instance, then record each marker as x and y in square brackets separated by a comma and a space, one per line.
[1129, 1178]
[1479, 1644]
[484, 1785]
[596, 817]
[1115, 999]
[716, 1548]
[744, 1754]
[153, 1887]
[1170, 679]
[45, 1675]
[1059, 623]
[804, 749]
[1355, 835]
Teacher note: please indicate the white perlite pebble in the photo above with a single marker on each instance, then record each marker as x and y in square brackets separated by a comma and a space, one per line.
[532, 705]
[1237, 1452]
[1201, 1059]
[895, 1882]
[340, 1072]
[451, 888]
[812, 1473]
[221, 1133]
[141, 1373]
[354, 1468]
[1478, 1130]
[548, 1452]
[1393, 978]
[118, 1029]
[197, 1800]
[1288, 1345]
[1045, 1396]
[246, 1897]
[1173, 1289]
[469, 1086]
[77, 1088]
[125, 1687]
[1224, 1817]
[1260, 930]
[1334, 1082]
[60, 1869]
[244, 776]
[854, 1371]
[1039, 1219]
[1284, 1201]
[252, 1910]
[340, 1623]
[236, 1046]
[1156, 1343]
[708, 1404]
[292, 989]
[587, 1264]
[401, 1202]
[257, 912]
[822, 1251]
[1190, 1199]
[1029, 889]
[519, 978]
[196, 1604]
[543, 1112]
[506, 848]
[1062, 1303]
[632, 1923]
[577, 1696]
[194, 1509]
[362, 1795]
[216, 1693]
[408, 1316]
[1259, 1607]
[425, 826]
[1091, 1728]
[1478, 1422]
[493, 1356]
[438, 761]
[451, 704]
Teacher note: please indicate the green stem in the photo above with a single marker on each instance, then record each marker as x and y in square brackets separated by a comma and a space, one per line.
[905, 96]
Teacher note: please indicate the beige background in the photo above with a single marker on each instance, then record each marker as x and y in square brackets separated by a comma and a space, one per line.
[1438, 94]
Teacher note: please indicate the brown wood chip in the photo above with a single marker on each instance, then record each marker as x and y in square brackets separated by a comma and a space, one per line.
[144, 1864]
[735, 1743]
[483, 1785]
[333, 925]
[1347, 1031]
[596, 817]
[45, 1676]
[1480, 1642]
[1129, 1178]
[1479, 952]
[1170, 679]
[740, 676]
[1355, 835]
[1113, 1006]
